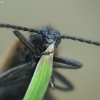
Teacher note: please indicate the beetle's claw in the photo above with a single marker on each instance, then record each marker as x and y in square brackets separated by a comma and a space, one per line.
[52, 82]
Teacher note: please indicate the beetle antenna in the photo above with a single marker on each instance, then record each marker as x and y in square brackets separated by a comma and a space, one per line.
[80, 39]
[18, 27]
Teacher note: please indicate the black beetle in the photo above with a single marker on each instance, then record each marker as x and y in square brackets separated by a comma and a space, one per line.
[34, 48]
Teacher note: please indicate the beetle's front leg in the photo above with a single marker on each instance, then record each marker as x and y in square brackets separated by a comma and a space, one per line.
[63, 62]
[28, 44]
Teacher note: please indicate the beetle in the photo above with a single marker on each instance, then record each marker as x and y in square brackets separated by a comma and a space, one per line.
[34, 48]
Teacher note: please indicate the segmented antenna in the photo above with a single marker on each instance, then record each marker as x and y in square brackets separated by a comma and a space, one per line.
[62, 36]
[18, 27]
[80, 39]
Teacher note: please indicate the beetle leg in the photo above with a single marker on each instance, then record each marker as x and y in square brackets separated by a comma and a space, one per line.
[28, 44]
[52, 82]
[46, 53]
[62, 62]
[13, 72]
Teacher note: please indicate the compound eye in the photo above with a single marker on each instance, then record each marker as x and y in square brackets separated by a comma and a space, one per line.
[56, 33]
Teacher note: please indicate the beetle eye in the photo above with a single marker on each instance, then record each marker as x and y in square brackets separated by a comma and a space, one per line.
[57, 32]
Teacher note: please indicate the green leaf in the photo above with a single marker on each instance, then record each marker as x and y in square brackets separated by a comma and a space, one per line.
[41, 77]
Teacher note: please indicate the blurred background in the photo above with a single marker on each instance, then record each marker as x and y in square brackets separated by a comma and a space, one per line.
[79, 18]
